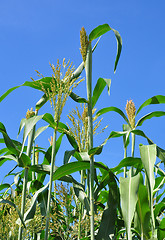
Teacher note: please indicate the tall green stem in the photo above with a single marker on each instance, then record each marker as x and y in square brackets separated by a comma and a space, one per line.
[88, 68]
[25, 180]
[50, 184]
[125, 168]
[132, 151]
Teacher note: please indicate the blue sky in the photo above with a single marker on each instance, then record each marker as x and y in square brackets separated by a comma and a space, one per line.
[34, 33]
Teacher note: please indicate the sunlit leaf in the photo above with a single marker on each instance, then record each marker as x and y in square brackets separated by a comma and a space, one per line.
[102, 29]
[128, 162]
[31, 211]
[113, 109]
[148, 157]
[143, 214]
[76, 98]
[149, 116]
[154, 100]
[100, 85]
[128, 196]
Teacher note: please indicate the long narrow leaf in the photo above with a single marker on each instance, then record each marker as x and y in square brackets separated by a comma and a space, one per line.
[149, 116]
[148, 157]
[102, 29]
[113, 109]
[128, 194]
[154, 100]
[100, 85]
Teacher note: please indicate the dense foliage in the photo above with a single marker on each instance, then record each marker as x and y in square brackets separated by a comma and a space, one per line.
[124, 202]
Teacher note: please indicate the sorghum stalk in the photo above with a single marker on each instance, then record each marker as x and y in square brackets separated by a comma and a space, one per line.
[130, 109]
[50, 182]
[88, 68]
[25, 180]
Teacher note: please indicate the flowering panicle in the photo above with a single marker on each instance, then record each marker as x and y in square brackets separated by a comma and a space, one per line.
[60, 87]
[130, 110]
[30, 113]
[84, 43]
[79, 129]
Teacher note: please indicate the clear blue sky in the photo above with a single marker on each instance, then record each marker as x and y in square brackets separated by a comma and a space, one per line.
[34, 33]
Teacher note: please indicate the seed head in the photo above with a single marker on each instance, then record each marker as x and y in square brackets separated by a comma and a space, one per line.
[130, 110]
[84, 43]
[79, 129]
[30, 113]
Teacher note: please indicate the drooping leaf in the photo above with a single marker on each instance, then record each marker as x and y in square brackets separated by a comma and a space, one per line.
[149, 116]
[68, 155]
[4, 185]
[154, 100]
[113, 109]
[100, 85]
[29, 125]
[33, 84]
[31, 211]
[70, 168]
[128, 197]
[160, 151]
[81, 195]
[39, 131]
[76, 98]
[41, 102]
[128, 162]
[22, 159]
[148, 157]
[102, 29]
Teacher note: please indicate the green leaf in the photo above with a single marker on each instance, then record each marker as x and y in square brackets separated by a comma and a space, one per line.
[154, 100]
[149, 116]
[4, 185]
[148, 157]
[128, 196]
[161, 231]
[160, 151]
[31, 211]
[41, 102]
[159, 208]
[40, 168]
[107, 226]
[128, 162]
[70, 168]
[113, 109]
[33, 84]
[39, 131]
[29, 125]
[142, 217]
[22, 159]
[81, 195]
[78, 99]
[100, 85]
[68, 155]
[102, 29]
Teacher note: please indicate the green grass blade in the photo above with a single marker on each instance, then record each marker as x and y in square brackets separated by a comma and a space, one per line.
[100, 85]
[128, 196]
[154, 100]
[148, 157]
[102, 29]
[113, 109]
[149, 116]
